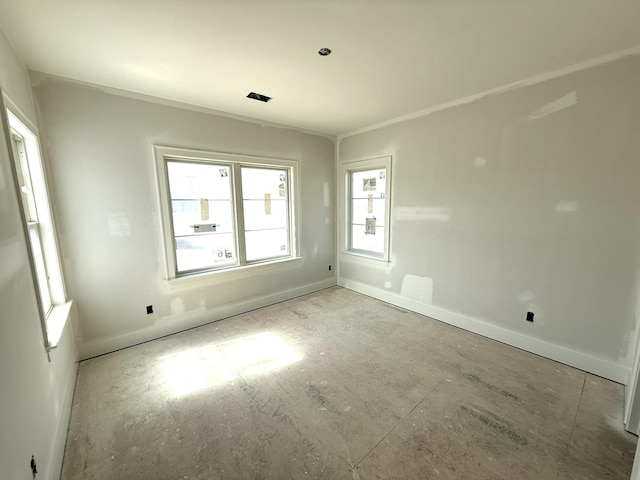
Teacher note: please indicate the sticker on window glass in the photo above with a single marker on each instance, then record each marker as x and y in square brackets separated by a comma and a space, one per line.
[204, 209]
[383, 175]
[370, 203]
[267, 203]
[224, 172]
[281, 189]
[370, 226]
[369, 184]
[283, 177]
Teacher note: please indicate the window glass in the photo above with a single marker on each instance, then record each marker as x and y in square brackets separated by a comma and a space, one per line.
[266, 212]
[31, 218]
[202, 215]
[368, 210]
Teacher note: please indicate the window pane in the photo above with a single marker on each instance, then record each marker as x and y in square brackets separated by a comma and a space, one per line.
[367, 182]
[265, 244]
[199, 180]
[202, 215]
[266, 212]
[361, 240]
[41, 271]
[368, 210]
[363, 209]
[203, 251]
[187, 216]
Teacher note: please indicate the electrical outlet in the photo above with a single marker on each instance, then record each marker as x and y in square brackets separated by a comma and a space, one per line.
[149, 309]
[530, 317]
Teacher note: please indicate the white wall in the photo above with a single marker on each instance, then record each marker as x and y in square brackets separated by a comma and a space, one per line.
[104, 183]
[520, 201]
[35, 393]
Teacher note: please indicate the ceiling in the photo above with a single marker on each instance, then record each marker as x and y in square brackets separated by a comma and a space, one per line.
[390, 58]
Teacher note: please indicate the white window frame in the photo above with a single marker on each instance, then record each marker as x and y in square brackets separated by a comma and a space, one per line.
[345, 185]
[164, 154]
[37, 221]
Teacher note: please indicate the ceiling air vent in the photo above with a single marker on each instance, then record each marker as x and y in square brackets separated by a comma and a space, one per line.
[259, 96]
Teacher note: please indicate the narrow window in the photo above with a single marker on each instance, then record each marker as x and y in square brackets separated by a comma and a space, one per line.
[367, 207]
[31, 219]
[31, 186]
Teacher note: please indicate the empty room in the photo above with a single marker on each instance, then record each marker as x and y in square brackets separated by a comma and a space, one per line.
[355, 239]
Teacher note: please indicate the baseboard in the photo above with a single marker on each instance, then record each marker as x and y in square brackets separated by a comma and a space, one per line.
[164, 327]
[583, 361]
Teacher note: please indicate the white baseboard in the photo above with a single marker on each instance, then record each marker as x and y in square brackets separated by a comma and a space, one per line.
[583, 361]
[168, 326]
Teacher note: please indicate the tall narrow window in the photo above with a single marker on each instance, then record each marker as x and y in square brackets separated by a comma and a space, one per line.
[29, 175]
[367, 204]
[222, 211]
[31, 218]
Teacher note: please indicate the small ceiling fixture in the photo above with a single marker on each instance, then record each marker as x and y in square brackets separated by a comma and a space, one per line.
[258, 96]
[323, 52]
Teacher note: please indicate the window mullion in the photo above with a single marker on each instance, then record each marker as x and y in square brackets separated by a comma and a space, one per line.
[239, 214]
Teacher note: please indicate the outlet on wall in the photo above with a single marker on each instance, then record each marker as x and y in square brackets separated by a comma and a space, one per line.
[149, 309]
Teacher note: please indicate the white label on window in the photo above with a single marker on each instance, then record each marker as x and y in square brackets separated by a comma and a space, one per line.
[267, 203]
[370, 203]
[369, 184]
[204, 209]
[370, 226]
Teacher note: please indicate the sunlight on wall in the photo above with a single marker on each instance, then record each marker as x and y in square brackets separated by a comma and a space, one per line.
[199, 368]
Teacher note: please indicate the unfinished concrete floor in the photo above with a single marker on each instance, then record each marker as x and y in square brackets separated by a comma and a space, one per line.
[337, 385]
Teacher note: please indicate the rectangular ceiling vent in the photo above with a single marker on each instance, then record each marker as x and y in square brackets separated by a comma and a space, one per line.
[259, 96]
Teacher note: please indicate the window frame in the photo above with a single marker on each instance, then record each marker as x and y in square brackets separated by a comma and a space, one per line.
[346, 173]
[55, 313]
[235, 162]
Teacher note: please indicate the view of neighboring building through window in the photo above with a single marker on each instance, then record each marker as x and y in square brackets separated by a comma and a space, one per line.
[221, 211]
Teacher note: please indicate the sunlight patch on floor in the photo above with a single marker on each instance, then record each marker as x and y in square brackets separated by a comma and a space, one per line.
[199, 368]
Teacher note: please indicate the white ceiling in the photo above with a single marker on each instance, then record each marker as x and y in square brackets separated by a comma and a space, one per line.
[390, 58]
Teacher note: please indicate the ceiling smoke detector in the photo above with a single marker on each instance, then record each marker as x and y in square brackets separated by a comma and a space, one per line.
[324, 51]
[258, 96]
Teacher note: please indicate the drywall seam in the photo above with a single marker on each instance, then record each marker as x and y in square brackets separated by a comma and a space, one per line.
[561, 72]
[37, 77]
[597, 366]
[101, 346]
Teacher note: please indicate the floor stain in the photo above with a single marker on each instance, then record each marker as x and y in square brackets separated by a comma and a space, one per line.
[496, 425]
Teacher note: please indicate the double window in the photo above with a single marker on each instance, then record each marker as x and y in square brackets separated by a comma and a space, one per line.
[222, 211]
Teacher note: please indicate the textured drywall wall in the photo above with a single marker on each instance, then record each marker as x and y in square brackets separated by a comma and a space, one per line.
[522, 201]
[104, 182]
[35, 393]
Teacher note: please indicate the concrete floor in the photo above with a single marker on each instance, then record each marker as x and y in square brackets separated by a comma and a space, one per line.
[336, 385]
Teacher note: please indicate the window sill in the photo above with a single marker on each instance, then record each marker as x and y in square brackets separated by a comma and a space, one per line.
[56, 322]
[218, 276]
[363, 258]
